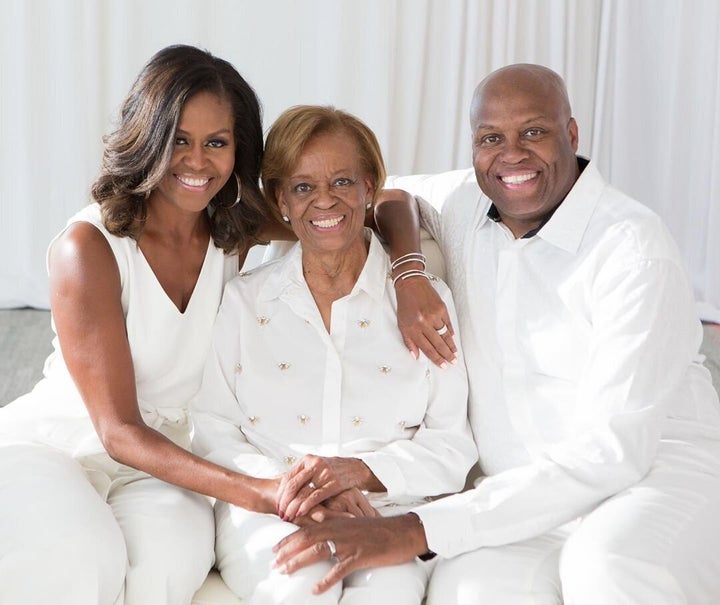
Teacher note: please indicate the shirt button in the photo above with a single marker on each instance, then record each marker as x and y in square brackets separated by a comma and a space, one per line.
[357, 421]
[289, 460]
[238, 368]
[401, 424]
[253, 419]
[385, 369]
[303, 419]
[364, 323]
[263, 321]
[283, 365]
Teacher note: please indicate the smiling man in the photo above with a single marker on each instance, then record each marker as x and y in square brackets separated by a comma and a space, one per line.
[597, 427]
[524, 144]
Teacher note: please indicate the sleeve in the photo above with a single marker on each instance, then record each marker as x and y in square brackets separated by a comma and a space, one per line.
[432, 191]
[215, 411]
[645, 334]
[437, 458]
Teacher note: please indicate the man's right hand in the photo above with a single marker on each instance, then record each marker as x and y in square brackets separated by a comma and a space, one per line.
[358, 544]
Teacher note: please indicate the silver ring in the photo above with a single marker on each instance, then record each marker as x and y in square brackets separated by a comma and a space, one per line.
[442, 330]
[311, 485]
[332, 547]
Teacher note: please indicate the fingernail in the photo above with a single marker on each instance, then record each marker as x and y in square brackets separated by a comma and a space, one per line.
[443, 365]
[454, 360]
[414, 355]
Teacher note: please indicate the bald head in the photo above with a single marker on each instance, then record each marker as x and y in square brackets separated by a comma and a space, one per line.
[524, 144]
[521, 79]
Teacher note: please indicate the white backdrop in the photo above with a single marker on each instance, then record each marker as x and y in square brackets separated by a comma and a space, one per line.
[643, 76]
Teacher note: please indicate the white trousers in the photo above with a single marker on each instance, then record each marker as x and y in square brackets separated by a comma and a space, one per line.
[243, 547]
[655, 543]
[97, 533]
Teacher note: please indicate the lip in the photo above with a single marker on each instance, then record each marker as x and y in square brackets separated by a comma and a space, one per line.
[193, 182]
[327, 223]
[518, 180]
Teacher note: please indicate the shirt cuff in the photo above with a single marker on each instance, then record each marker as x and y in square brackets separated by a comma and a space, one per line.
[253, 465]
[387, 472]
[448, 525]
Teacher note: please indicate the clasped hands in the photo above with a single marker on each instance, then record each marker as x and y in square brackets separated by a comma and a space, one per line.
[322, 488]
[324, 496]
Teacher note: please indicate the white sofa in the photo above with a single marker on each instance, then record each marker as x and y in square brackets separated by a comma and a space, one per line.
[215, 592]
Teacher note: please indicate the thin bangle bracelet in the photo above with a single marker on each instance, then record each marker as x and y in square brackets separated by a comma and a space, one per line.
[409, 257]
[411, 273]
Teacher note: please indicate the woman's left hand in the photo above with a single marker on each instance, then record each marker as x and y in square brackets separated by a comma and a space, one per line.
[315, 479]
[424, 321]
[349, 504]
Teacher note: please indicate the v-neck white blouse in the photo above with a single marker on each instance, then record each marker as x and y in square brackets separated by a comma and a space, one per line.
[168, 351]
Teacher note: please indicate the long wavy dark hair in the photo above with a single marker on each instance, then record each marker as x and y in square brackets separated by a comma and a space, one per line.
[139, 151]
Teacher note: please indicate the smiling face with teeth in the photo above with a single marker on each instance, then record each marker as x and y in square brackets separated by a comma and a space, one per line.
[204, 154]
[325, 196]
[524, 144]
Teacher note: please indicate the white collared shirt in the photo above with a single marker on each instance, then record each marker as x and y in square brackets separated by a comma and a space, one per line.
[581, 345]
[277, 385]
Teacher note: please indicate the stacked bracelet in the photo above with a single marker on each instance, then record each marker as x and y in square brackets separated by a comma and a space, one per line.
[412, 257]
[410, 273]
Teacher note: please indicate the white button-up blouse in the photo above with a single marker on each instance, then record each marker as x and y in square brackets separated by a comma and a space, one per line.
[277, 385]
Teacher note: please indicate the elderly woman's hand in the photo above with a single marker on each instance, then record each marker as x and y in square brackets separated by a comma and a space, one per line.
[349, 504]
[424, 321]
[315, 479]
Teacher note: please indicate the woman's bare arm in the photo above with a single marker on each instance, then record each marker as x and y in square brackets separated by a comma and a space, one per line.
[421, 312]
[85, 301]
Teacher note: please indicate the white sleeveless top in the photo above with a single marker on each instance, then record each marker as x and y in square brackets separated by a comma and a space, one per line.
[168, 350]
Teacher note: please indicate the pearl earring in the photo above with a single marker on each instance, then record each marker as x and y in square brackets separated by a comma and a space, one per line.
[286, 219]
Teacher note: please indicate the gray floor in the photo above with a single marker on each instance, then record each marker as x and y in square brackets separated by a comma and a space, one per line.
[25, 342]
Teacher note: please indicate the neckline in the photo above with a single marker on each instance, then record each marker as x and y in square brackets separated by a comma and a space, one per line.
[195, 286]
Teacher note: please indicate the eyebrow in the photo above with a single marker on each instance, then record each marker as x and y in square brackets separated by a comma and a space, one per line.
[212, 134]
[534, 119]
[341, 172]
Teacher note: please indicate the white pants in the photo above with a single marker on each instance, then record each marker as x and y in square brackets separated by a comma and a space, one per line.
[655, 543]
[244, 544]
[97, 533]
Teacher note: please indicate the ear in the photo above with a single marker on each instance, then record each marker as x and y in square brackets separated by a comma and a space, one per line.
[370, 188]
[282, 205]
[573, 134]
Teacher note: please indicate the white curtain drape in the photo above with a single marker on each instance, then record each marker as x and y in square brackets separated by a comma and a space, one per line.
[643, 76]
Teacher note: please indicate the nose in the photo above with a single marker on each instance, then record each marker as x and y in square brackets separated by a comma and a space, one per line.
[513, 151]
[195, 157]
[324, 197]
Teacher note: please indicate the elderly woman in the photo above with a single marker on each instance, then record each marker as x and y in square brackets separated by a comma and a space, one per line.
[308, 384]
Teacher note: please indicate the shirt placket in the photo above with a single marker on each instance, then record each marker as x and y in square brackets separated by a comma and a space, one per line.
[332, 389]
[510, 325]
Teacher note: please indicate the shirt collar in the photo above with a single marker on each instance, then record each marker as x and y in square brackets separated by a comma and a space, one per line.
[565, 226]
[288, 275]
[568, 224]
